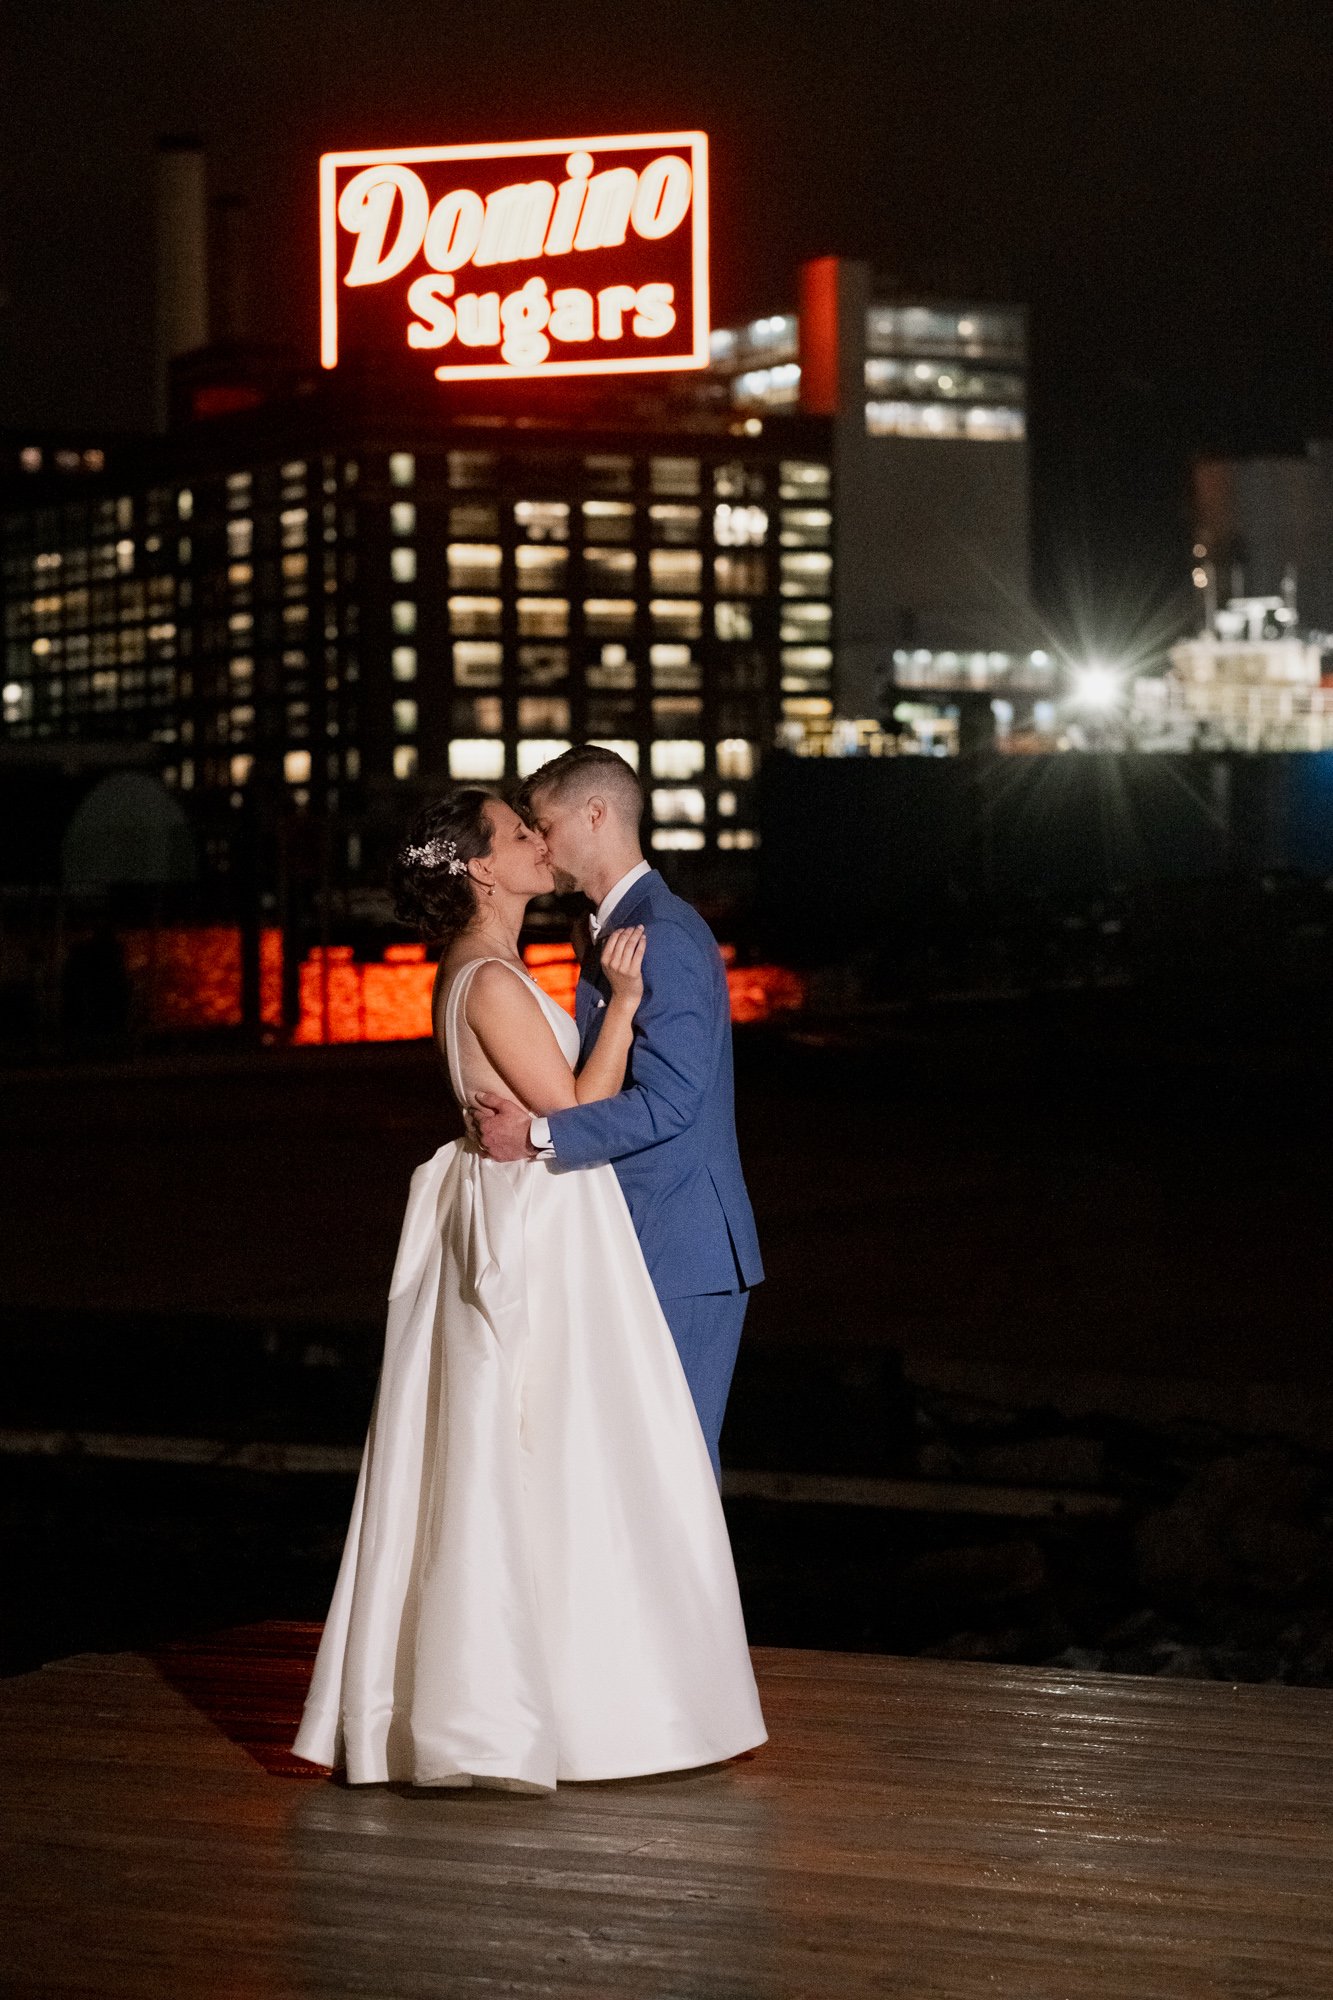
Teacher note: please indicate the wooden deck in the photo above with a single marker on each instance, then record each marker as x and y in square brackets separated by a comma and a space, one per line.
[914, 1828]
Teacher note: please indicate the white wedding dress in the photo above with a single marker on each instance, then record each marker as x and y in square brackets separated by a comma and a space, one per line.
[537, 1582]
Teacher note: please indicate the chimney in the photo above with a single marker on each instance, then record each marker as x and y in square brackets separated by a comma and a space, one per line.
[182, 259]
[227, 279]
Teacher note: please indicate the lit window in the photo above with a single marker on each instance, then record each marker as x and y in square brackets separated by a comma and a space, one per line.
[402, 565]
[799, 479]
[295, 468]
[474, 521]
[674, 475]
[675, 525]
[613, 669]
[296, 767]
[402, 517]
[404, 663]
[542, 666]
[732, 621]
[240, 575]
[477, 662]
[473, 565]
[471, 468]
[678, 801]
[405, 717]
[543, 617]
[240, 624]
[540, 568]
[241, 768]
[533, 753]
[678, 618]
[184, 551]
[185, 503]
[546, 712]
[240, 537]
[352, 763]
[737, 836]
[608, 521]
[609, 472]
[677, 757]
[987, 423]
[676, 715]
[726, 804]
[806, 527]
[405, 760]
[805, 573]
[739, 527]
[404, 615]
[609, 570]
[125, 557]
[678, 838]
[402, 472]
[542, 520]
[735, 758]
[622, 747]
[476, 758]
[740, 575]
[801, 622]
[674, 666]
[483, 715]
[675, 569]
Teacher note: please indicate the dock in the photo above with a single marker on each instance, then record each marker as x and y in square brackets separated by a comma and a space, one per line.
[914, 1827]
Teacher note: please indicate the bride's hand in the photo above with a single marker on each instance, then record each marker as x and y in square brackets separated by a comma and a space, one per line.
[622, 962]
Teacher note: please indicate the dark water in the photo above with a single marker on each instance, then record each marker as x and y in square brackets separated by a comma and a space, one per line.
[1050, 1248]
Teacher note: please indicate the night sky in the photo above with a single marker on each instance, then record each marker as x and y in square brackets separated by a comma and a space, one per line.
[1154, 180]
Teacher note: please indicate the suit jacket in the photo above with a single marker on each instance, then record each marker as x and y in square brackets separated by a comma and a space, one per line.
[671, 1132]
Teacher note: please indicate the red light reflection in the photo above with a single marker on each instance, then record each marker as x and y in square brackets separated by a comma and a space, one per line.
[186, 979]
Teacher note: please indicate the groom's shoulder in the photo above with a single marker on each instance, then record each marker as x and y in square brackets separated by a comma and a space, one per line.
[663, 908]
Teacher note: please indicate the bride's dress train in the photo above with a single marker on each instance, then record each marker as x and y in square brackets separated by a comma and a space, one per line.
[537, 1582]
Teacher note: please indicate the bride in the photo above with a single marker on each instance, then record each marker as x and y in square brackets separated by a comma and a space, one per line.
[537, 1583]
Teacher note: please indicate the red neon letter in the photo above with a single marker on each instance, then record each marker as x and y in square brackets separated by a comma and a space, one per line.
[479, 319]
[571, 315]
[665, 187]
[365, 208]
[656, 314]
[523, 315]
[606, 208]
[454, 229]
[612, 305]
[569, 204]
[427, 296]
[515, 225]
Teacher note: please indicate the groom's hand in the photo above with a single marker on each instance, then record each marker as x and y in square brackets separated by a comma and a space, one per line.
[503, 1128]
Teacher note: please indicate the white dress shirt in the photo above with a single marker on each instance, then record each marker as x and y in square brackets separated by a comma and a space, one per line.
[540, 1131]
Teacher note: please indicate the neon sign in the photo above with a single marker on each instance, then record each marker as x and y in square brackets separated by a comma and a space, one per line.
[546, 257]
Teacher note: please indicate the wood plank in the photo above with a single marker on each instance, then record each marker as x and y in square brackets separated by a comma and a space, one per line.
[915, 1827]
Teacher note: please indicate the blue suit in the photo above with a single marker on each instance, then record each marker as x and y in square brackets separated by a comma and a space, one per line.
[671, 1136]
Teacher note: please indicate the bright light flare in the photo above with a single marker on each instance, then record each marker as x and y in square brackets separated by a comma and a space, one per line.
[1097, 687]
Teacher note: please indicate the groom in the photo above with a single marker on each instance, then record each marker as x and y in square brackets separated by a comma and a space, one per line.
[671, 1132]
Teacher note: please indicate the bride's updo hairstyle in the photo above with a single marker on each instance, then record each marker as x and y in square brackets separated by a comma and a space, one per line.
[428, 877]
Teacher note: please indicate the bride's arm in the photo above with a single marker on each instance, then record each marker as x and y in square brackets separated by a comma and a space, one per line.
[518, 1041]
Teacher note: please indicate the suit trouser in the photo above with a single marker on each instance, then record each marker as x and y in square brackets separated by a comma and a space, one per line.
[706, 1328]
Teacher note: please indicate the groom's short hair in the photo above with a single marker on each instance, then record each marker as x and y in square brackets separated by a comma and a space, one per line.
[587, 768]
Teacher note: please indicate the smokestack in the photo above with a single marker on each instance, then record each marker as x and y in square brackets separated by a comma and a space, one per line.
[182, 258]
[228, 288]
